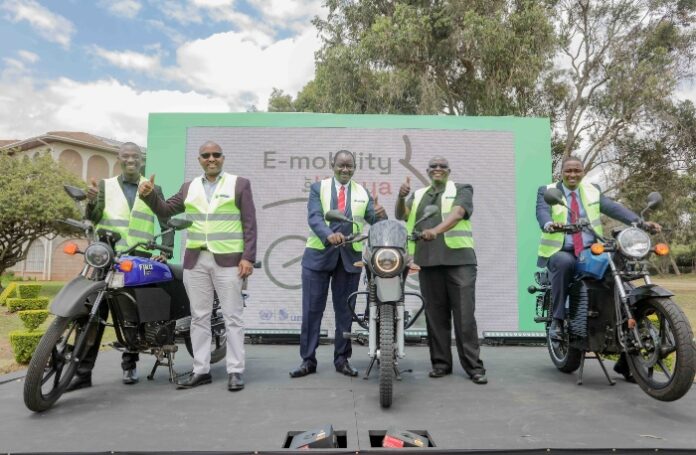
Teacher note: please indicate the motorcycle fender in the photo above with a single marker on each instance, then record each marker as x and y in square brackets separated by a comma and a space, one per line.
[70, 300]
[646, 291]
[388, 289]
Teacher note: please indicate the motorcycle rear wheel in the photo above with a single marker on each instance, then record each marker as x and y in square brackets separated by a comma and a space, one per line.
[51, 367]
[566, 358]
[386, 355]
[666, 365]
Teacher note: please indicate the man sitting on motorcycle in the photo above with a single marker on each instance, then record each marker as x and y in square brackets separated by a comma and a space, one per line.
[114, 205]
[558, 251]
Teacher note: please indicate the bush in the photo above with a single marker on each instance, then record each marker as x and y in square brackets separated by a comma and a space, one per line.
[39, 303]
[32, 319]
[28, 291]
[10, 291]
[24, 344]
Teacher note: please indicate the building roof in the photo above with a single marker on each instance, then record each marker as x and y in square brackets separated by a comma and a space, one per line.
[70, 137]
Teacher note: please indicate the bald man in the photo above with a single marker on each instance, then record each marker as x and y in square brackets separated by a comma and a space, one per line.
[220, 253]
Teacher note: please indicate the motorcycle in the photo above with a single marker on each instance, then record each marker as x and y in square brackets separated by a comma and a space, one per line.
[607, 313]
[387, 265]
[148, 304]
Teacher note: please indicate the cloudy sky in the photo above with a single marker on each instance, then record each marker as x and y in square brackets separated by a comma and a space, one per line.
[101, 66]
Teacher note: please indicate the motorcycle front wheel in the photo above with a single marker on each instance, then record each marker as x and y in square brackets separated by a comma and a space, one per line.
[665, 365]
[566, 358]
[386, 355]
[51, 367]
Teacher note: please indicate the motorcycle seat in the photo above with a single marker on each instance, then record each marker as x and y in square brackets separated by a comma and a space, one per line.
[177, 271]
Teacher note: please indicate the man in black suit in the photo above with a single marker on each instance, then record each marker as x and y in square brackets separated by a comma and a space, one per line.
[557, 251]
[322, 264]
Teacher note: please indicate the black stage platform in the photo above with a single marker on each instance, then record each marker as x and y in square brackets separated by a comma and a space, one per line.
[527, 405]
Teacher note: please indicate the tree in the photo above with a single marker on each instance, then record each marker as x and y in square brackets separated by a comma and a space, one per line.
[280, 102]
[480, 57]
[623, 60]
[32, 203]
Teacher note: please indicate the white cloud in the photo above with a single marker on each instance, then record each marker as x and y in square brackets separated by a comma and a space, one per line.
[182, 13]
[123, 8]
[28, 56]
[212, 3]
[687, 90]
[234, 67]
[129, 59]
[105, 107]
[51, 26]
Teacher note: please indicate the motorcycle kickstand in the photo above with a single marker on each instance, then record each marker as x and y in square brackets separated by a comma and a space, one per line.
[398, 372]
[582, 367]
[369, 368]
[604, 369]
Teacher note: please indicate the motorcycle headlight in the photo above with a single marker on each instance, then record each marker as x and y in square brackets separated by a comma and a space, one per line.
[98, 255]
[634, 243]
[387, 261]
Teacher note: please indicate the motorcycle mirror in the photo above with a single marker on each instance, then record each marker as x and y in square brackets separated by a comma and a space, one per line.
[654, 200]
[554, 196]
[335, 215]
[428, 211]
[179, 224]
[75, 192]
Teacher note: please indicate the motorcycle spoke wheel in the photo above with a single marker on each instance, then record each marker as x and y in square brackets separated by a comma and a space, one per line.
[664, 364]
[386, 355]
[51, 368]
[566, 358]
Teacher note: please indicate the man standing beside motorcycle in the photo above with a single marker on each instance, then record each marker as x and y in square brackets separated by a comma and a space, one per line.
[448, 268]
[113, 205]
[558, 251]
[322, 264]
[220, 253]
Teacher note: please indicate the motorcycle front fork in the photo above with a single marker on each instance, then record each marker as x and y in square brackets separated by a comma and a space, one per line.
[372, 338]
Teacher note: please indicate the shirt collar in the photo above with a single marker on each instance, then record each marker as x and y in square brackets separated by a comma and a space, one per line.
[567, 191]
[338, 185]
[205, 180]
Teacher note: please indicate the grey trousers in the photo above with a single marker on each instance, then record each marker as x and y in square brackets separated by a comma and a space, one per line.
[450, 294]
[200, 281]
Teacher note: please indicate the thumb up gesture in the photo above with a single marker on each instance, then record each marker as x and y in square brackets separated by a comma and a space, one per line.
[92, 190]
[405, 188]
[147, 186]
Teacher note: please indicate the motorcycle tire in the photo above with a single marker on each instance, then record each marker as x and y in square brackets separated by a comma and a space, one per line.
[51, 363]
[386, 355]
[665, 367]
[567, 359]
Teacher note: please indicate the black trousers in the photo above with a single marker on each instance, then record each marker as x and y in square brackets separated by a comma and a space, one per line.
[128, 359]
[561, 266]
[450, 294]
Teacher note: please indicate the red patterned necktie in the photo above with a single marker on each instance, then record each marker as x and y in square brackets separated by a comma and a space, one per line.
[574, 217]
[342, 199]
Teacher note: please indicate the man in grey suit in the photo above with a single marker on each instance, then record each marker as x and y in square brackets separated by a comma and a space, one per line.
[557, 251]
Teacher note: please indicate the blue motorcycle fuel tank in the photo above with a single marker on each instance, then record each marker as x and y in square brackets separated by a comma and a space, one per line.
[144, 271]
[590, 265]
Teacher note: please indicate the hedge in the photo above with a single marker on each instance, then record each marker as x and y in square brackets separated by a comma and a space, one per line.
[8, 292]
[32, 319]
[39, 303]
[24, 344]
[28, 291]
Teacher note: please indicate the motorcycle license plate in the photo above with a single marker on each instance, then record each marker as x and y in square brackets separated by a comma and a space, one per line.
[117, 280]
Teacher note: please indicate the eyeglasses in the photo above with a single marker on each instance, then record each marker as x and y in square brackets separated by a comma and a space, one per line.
[438, 165]
[206, 155]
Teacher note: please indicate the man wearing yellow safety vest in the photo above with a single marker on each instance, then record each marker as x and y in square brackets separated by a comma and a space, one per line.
[558, 251]
[114, 205]
[322, 264]
[448, 268]
[220, 253]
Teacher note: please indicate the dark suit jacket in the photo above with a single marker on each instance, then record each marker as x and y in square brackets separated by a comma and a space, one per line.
[244, 200]
[326, 260]
[607, 206]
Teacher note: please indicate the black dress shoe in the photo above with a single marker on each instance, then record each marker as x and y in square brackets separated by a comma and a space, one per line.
[235, 382]
[80, 382]
[130, 376]
[439, 373]
[556, 330]
[347, 369]
[194, 380]
[479, 378]
[621, 367]
[303, 370]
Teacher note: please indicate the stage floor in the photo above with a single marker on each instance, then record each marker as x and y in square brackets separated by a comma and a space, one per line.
[527, 404]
